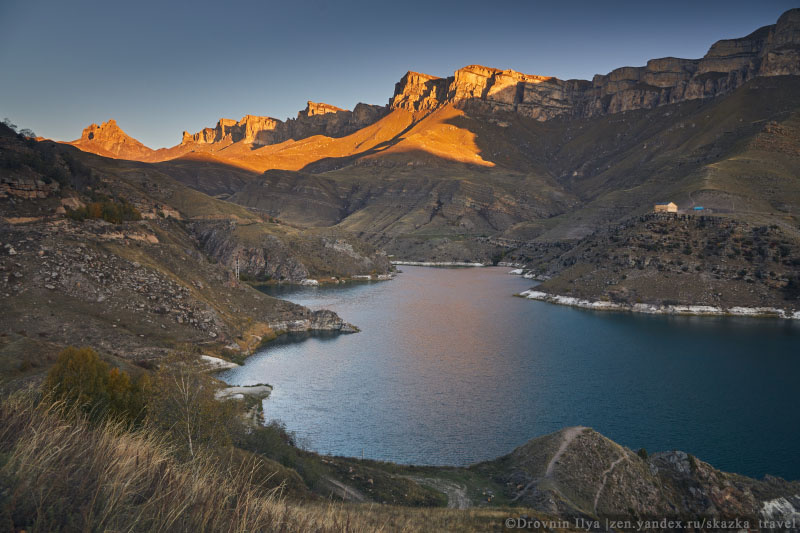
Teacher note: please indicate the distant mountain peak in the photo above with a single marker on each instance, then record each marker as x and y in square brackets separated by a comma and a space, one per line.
[110, 140]
[106, 129]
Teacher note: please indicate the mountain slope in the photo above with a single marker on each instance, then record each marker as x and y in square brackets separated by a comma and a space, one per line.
[118, 255]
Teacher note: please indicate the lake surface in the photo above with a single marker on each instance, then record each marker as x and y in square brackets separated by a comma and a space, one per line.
[450, 369]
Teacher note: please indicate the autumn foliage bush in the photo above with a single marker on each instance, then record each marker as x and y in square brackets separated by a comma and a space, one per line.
[82, 379]
[112, 211]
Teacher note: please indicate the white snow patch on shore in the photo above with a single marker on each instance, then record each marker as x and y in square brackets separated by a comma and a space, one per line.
[216, 363]
[708, 310]
[239, 392]
[759, 311]
[517, 272]
[437, 264]
[309, 282]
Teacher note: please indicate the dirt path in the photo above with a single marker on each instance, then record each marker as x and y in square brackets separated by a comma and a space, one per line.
[605, 478]
[569, 436]
[456, 494]
[345, 492]
[566, 440]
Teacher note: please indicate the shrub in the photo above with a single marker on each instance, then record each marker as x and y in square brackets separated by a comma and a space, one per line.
[81, 379]
[108, 210]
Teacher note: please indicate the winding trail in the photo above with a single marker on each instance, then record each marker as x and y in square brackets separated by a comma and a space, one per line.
[345, 492]
[569, 436]
[605, 479]
[566, 440]
[456, 494]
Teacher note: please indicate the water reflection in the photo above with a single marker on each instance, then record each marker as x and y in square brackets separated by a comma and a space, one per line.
[450, 368]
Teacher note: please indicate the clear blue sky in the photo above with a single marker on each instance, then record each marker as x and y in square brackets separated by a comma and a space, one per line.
[163, 67]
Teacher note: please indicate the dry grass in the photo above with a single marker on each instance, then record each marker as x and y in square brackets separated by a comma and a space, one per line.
[60, 473]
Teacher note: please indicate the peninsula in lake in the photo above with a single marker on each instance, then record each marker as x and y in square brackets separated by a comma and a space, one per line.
[130, 276]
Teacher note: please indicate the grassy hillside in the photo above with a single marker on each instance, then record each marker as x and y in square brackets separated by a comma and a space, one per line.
[66, 474]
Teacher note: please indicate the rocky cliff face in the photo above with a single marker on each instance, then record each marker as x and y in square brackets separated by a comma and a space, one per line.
[315, 119]
[770, 51]
[109, 140]
[247, 130]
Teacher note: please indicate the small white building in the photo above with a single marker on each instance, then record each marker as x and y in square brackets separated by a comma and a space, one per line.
[667, 207]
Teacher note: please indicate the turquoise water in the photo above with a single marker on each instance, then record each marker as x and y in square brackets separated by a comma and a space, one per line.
[450, 369]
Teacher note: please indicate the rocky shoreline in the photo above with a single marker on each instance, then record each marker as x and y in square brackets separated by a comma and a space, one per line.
[437, 263]
[652, 309]
[581, 463]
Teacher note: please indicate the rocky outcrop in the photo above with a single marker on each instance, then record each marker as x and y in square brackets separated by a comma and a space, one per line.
[419, 92]
[770, 51]
[577, 472]
[26, 188]
[322, 320]
[324, 119]
[315, 119]
[228, 130]
[318, 108]
[109, 140]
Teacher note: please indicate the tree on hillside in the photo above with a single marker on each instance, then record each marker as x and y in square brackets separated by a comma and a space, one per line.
[184, 405]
